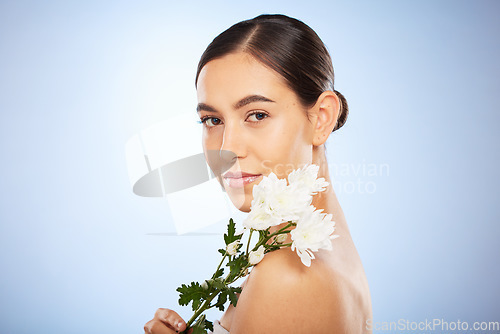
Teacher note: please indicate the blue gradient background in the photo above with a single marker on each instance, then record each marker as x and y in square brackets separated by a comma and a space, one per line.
[78, 79]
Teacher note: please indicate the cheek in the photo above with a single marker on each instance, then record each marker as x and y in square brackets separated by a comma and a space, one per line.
[211, 152]
[209, 140]
[283, 149]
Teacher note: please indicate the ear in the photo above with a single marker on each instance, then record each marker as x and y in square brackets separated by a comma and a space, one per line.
[326, 111]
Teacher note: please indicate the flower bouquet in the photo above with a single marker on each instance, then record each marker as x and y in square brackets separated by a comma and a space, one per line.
[275, 202]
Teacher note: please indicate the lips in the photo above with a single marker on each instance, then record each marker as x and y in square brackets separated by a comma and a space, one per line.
[237, 174]
[239, 179]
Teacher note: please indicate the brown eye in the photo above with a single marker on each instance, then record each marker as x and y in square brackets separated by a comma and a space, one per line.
[258, 116]
[210, 121]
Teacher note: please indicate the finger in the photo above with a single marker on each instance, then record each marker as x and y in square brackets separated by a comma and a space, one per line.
[157, 327]
[171, 319]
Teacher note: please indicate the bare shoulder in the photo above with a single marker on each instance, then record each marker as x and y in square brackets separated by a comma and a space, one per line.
[282, 295]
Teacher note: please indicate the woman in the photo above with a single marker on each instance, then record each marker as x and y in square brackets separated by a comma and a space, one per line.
[267, 104]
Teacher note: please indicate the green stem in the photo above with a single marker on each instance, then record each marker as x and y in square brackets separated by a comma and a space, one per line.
[201, 309]
[206, 305]
[249, 237]
[240, 274]
[220, 264]
[280, 231]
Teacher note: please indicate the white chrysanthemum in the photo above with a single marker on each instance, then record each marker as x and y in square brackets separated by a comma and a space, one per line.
[256, 256]
[259, 219]
[278, 200]
[269, 184]
[274, 202]
[313, 232]
[287, 204]
[306, 178]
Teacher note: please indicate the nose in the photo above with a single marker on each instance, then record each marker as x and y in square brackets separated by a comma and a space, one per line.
[232, 146]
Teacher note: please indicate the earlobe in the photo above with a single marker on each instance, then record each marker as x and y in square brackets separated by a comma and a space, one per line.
[327, 110]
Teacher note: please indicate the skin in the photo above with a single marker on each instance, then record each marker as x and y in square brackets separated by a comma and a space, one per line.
[280, 295]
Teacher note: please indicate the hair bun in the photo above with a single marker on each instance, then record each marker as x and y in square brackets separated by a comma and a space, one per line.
[343, 112]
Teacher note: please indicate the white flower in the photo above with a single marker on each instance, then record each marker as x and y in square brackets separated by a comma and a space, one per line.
[204, 285]
[232, 248]
[313, 232]
[258, 219]
[306, 178]
[286, 204]
[281, 238]
[256, 256]
[274, 202]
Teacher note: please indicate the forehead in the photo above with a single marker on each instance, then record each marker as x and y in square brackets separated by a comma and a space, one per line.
[236, 75]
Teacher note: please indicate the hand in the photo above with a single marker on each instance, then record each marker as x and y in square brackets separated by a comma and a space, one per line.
[165, 321]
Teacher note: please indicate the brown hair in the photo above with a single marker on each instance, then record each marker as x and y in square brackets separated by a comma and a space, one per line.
[289, 47]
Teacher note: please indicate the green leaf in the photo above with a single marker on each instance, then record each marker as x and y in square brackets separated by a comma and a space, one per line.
[209, 325]
[232, 295]
[236, 265]
[221, 300]
[192, 293]
[218, 273]
[199, 326]
[217, 284]
[227, 292]
[231, 230]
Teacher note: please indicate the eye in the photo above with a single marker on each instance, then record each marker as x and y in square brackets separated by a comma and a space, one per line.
[258, 116]
[210, 121]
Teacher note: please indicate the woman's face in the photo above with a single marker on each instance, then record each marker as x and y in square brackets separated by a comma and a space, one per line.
[253, 123]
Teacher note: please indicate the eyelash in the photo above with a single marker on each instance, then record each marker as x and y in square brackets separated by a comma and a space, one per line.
[206, 118]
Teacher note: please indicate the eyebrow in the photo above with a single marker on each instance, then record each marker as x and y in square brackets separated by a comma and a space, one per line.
[240, 104]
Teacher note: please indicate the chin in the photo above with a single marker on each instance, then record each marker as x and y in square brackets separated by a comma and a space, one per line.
[240, 197]
[241, 201]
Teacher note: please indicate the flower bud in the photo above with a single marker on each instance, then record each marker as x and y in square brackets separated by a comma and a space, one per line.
[232, 248]
[280, 238]
[256, 256]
